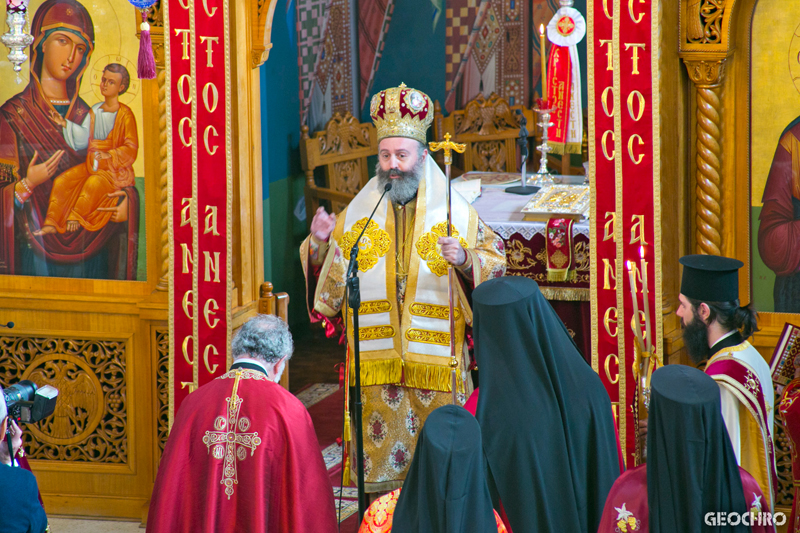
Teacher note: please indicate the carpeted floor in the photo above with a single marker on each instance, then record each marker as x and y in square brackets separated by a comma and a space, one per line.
[324, 404]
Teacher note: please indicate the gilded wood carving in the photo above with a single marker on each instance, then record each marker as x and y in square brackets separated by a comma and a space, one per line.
[90, 423]
[162, 386]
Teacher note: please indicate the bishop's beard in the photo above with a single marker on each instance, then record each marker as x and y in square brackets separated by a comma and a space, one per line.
[404, 186]
[695, 337]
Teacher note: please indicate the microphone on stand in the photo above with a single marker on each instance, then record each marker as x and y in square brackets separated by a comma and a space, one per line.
[354, 250]
[8, 325]
[354, 302]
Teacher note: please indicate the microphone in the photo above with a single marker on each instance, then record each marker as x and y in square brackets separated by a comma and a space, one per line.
[354, 249]
[9, 325]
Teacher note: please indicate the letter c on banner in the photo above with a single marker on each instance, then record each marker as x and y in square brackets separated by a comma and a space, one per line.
[636, 19]
[607, 366]
[636, 159]
[185, 348]
[210, 130]
[604, 101]
[211, 12]
[181, 128]
[205, 358]
[605, 10]
[604, 143]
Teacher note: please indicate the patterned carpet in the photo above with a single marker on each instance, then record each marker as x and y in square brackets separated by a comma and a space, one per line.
[324, 404]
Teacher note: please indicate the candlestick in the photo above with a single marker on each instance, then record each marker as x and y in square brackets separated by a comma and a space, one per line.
[637, 325]
[544, 61]
[646, 300]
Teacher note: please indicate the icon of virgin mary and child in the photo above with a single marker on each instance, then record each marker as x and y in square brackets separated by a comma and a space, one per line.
[67, 196]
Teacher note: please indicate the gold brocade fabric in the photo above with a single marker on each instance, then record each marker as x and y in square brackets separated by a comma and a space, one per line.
[392, 418]
[404, 231]
[394, 414]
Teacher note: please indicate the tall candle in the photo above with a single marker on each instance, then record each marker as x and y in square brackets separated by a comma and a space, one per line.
[544, 62]
[646, 300]
[637, 325]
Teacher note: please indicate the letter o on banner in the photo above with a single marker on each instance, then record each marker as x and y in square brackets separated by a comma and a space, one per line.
[638, 98]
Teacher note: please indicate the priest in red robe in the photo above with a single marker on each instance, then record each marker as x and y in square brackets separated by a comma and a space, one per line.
[691, 474]
[242, 455]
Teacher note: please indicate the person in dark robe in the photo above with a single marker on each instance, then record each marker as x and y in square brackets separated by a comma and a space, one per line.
[445, 489]
[779, 230]
[546, 419]
[34, 151]
[691, 472]
[242, 454]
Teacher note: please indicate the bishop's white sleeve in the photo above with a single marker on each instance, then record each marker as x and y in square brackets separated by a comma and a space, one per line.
[730, 413]
[77, 135]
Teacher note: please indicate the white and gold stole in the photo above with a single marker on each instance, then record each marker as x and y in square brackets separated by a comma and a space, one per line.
[416, 352]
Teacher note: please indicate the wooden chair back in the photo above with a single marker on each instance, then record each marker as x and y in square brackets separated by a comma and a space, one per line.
[489, 128]
[341, 149]
[278, 305]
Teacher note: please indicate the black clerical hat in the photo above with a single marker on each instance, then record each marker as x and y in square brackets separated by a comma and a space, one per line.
[710, 278]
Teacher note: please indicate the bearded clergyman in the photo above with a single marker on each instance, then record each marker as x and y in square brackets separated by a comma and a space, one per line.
[716, 329]
[402, 265]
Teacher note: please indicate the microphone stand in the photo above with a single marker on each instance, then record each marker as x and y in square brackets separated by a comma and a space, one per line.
[354, 302]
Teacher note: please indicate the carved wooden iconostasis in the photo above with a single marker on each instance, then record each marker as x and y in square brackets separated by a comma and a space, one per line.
[742, 60]
[90, 306]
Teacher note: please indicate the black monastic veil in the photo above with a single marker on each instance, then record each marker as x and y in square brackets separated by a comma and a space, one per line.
[547, 424]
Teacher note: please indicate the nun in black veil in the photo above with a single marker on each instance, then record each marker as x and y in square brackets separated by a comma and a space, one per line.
[546, 419]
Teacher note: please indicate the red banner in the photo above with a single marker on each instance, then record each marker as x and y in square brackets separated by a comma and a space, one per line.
[559, 85]
[626, 218]
[200, 189]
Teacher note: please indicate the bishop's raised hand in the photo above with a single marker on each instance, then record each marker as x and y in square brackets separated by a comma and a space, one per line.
[322, 225]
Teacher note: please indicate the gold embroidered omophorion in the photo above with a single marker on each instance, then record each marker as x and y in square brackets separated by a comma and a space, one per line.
[229, 440]
[373, 245]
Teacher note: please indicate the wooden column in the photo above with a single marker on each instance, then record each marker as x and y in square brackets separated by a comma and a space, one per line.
[707, 75]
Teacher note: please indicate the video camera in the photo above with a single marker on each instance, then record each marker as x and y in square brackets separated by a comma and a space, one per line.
[28, 403]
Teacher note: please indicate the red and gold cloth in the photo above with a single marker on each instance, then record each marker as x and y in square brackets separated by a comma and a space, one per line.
[242, 456]
[200, 192]
[559, 88]
[560, 249]
[627, 510]
[624, 138]
[789, 408]
[379, 516]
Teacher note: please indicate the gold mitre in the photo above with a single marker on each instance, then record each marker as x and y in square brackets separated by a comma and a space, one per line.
[401, 112]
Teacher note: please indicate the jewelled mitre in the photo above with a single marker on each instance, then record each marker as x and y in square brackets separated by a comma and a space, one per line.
[401, 112]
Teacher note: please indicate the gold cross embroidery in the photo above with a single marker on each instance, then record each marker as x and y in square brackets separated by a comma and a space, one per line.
[230, 440]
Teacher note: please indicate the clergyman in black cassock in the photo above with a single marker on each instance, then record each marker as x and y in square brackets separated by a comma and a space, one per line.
[445, 490]
[546, 419]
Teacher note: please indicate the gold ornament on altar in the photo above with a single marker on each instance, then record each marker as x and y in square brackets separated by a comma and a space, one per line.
[374, 243]
[401, 112]
[429, 250]
[567, 201]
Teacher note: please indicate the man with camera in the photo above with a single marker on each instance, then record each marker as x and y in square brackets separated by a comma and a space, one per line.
[20, 509]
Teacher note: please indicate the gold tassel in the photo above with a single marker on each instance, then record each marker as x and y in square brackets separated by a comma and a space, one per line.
[346, 472]
[380, 371]
[346, 436]
[430, 377]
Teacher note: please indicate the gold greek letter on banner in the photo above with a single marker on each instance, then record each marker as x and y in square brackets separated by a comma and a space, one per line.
[428, 337]
[375, 306]
[372, 333]
[636, 18]
[612, 379]
[433, 311]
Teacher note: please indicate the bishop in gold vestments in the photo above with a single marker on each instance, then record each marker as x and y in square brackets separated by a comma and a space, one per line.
[403, 262]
